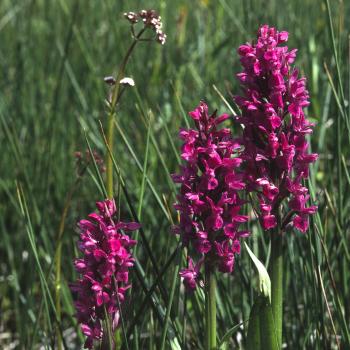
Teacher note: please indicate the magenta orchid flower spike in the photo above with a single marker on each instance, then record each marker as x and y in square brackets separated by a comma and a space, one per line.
[276, 153]
[209, 203]
[103, 269]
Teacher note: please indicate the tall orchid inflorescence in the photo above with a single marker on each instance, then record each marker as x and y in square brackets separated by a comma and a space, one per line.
[275, 127]
[209, 203]
[103, 269]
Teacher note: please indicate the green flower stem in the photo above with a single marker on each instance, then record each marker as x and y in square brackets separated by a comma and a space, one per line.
[210, 308]
[276, 275]
[109, 161]
[115, 96]
[253, 336]
[268, 330]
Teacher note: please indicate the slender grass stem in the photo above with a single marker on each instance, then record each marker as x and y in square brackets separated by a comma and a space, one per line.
[107, 341]
[58, 256]
[210, 307]
[170, 302]
[58, 291]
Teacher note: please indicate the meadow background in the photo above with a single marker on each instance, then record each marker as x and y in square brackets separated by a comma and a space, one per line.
[54, 55]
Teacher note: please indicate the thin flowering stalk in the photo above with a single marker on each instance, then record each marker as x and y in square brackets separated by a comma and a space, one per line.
[111, 115]
[209, 205]
[276, 158]
[150, 20]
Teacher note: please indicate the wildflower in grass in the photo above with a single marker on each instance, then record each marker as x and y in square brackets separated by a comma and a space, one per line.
[208, 202]
[140, 23]
[150, 19]
[103, 269]
[275, 127]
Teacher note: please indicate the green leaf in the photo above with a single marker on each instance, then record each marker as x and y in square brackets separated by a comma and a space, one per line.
[253, 336]
[264, 278]
[224, 342]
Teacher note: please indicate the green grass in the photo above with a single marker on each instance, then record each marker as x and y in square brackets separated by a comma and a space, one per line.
[53, 57]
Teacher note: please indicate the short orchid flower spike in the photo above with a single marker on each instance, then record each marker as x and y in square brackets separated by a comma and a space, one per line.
[103, 268]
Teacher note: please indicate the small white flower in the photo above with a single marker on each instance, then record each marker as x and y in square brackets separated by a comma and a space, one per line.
[127, 81]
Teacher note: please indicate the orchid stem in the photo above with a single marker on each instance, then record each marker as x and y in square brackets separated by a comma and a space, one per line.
[253, 336]
[210, 307]
[276, 275]
[268, 330]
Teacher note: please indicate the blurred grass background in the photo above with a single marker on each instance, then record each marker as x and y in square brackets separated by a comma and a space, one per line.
[53, 57]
